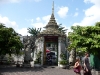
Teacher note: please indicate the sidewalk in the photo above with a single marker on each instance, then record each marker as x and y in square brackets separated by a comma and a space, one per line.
[51, 70]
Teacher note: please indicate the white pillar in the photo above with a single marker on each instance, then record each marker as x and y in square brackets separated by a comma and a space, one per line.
[59, 49]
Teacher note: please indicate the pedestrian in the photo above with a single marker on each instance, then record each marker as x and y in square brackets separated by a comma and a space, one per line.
[77, 67]
[87, 68]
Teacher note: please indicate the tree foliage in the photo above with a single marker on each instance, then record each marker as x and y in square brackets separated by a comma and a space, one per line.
[9, 41]
[86, 39]
[62, 29]
[34, 31]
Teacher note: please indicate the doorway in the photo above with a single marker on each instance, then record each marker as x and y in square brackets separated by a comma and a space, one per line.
[51, 50]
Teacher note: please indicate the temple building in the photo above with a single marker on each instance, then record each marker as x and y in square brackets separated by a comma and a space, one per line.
[51, 40]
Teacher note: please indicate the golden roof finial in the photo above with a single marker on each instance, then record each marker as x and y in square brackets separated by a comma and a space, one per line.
[53, 8]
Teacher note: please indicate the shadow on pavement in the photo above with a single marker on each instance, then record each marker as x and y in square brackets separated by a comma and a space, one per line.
[19, 69]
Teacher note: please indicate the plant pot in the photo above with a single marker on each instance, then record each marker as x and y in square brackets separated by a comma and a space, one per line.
[37, 65]
[62, 66]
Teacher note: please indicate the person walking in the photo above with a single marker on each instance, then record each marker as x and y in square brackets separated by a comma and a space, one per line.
[77, 67]
[87, 68]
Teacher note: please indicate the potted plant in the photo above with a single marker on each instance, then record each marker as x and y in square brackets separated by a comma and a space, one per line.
[63, 62]
[37, 62]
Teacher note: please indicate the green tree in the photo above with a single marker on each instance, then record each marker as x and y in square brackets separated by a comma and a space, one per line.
[85, 39]
[1, 25]
[33, 31]
[9, 41]
[62, 29]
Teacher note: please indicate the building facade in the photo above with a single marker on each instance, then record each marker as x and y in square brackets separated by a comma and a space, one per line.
[51, 39]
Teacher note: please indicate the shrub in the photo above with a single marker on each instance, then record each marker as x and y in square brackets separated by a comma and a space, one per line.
[63, 62]
[38, 58]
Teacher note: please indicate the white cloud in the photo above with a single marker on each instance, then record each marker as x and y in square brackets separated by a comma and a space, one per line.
[76, 24]
[93, 17]
[9, 1]
[38, 19]
[68, 29]
[23, 31]
[92, 11]
[29, 20]
[13, 24]
[16, 1]
[37, 0]
[5, 20]
[96, 2]
[46, 18]
[92, 14]
[63, 11]
[38, 25]
[41, 22]
[76, 14]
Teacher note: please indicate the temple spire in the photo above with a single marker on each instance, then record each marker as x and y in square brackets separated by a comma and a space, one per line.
[53, 8]
[52, 22]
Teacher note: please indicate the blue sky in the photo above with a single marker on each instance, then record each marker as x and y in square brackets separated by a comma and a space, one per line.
[21, 14]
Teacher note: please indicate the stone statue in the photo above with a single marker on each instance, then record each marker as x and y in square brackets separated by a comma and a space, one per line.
[27, 49]
[72, 56]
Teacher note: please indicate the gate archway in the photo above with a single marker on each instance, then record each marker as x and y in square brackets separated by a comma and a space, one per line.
[50, 50]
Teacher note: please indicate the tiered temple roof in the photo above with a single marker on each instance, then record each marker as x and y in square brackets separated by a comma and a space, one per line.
[52, 26]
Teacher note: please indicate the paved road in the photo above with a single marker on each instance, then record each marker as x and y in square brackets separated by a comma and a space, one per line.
[51, 70]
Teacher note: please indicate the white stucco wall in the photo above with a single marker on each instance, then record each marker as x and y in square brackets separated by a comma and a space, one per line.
[61, 48]
[40, 47]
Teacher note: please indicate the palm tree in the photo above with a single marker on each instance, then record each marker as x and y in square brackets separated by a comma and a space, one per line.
[34, 31]
[62, 29]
